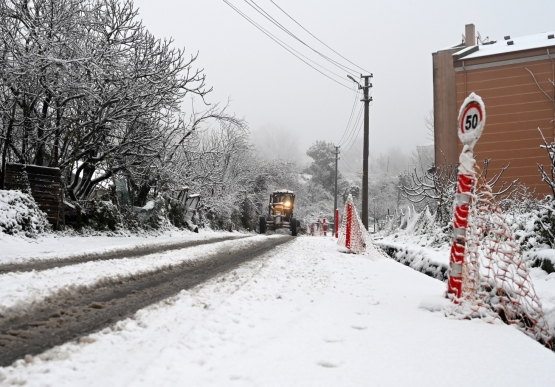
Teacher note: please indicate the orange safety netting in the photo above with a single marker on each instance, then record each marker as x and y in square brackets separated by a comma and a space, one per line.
[354, 236]
[496, 281]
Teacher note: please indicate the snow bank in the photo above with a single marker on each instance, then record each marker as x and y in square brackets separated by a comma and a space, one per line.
[20, 215]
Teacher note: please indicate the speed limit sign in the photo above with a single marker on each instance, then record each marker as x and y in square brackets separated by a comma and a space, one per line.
[472, 118]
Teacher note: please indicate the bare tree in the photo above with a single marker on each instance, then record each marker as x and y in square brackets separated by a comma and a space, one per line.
[437, 188]
[430, 128]
[86, 88]
[548, 176]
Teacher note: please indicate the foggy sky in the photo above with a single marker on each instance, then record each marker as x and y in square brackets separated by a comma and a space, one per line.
[392, 39]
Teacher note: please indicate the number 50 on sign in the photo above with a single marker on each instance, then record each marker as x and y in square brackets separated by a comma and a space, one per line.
[472, 118]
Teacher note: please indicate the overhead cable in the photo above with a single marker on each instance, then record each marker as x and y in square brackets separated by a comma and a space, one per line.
[350, 117]
[356, 136]
[261, 11]
[291, 50]
[349, 137]
[359, 128]
[289, 16]
[346, 166]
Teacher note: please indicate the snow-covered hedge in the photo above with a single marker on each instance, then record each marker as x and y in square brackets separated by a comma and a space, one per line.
[535, 228]
[415, 258]
[159, 214]
[20, 215]
[531, 220]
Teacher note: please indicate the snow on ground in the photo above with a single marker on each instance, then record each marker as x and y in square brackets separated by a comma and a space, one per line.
[16, 249]
[418, 247]
[306, 316]
[420, 244]
[20, 290]
[545, 288]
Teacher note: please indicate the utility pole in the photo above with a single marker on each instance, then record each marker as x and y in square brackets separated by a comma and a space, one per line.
[365, 153]
[335, 195]
[374, 215]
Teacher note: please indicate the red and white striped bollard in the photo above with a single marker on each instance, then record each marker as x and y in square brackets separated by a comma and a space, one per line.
[348, 225]
[472, 118]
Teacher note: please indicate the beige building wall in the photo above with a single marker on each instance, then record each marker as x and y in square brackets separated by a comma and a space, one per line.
[516, 107]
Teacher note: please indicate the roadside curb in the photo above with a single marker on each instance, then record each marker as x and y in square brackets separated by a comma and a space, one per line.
[416, 260]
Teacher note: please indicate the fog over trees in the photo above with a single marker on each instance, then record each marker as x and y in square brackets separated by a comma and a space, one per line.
[86, 88]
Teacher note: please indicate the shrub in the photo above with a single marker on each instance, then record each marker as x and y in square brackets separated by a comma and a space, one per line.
[20, 215]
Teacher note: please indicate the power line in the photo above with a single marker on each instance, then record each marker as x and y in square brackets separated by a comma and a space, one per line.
[286, 46]
[348, 160]
[354, 126]
[349, 137]
[281, 9]
[347, 163]
[350, 117]
[349, 168]
[355, 137]
[346, 166]
[261, 11]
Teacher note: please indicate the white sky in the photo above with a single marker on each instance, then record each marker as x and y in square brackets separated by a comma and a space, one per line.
[392, 39]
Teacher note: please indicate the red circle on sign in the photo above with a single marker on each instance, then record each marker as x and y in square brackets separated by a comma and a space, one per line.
[471, 105]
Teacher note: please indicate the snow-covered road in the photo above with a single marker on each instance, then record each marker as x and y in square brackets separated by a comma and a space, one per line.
[23, 290]
[56, 247]
[306, 316]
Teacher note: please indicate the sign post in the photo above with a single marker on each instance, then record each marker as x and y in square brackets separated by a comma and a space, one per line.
[472, 118]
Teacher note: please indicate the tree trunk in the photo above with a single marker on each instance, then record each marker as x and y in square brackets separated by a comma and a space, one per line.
[5, 148]
[39, 157]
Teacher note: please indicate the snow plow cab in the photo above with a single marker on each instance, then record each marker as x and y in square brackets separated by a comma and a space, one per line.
[280, 212]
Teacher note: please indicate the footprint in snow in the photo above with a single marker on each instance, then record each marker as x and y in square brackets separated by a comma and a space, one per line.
[359, 327]
[333, 339]
[329, 364]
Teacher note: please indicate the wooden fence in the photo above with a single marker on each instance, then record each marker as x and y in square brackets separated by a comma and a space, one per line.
[44, 184]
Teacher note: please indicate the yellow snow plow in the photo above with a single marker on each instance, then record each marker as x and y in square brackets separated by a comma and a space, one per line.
[280, 212]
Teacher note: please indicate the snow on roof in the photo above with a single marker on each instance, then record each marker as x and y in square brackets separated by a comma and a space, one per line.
[519, 44]
[283, 191]
[460, 45]
[465, 51]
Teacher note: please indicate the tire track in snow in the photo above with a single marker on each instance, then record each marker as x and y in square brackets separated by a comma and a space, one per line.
[67, 317]
[132, 252]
